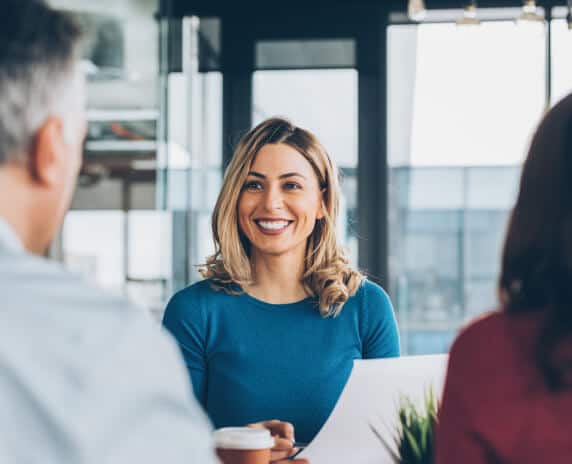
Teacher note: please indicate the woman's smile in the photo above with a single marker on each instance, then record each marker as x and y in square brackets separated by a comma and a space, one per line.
[272, 226]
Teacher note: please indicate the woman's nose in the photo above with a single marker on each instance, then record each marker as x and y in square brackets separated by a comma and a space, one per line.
[273, 199]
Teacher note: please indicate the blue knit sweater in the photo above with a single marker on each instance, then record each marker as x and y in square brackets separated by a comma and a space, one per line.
[249, 360]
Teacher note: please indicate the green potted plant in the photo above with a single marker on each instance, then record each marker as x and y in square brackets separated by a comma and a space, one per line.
[414, 440]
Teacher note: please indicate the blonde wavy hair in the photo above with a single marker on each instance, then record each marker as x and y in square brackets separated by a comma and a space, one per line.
[327, 273]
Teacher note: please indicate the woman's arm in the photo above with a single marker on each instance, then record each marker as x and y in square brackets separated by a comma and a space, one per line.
[380, 336]
[185, 321]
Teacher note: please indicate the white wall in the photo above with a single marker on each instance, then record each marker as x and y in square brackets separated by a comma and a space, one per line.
[141, 33]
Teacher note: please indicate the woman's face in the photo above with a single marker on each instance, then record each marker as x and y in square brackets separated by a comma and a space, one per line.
[280, 202]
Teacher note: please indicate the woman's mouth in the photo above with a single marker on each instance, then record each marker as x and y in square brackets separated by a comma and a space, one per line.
[272, 227]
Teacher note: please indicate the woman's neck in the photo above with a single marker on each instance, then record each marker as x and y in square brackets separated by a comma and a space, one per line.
[277, 279]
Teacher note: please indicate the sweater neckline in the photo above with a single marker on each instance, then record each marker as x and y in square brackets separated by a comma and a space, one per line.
[280, 306]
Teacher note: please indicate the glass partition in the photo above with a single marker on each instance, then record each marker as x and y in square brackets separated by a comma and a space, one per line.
[561, 47]
[140, 218]
[461, 114]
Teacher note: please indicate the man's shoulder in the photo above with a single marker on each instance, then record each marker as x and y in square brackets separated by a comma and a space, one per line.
[83, 356]
[49, 283]
[42, 301]
[75, 328]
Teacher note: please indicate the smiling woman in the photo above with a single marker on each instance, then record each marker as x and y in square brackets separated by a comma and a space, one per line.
[278, 266]
[281, 150]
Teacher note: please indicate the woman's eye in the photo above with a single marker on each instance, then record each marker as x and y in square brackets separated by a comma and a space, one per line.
[292, 186]
[253, 186]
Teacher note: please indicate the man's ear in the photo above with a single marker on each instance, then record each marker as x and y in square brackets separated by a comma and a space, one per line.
[48, 152]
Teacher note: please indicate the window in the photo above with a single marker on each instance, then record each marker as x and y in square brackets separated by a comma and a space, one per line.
[463, 102]
[561, 47]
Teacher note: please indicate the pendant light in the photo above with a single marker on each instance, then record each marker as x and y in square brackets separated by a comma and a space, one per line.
[530, 12]
[469, 17]
[416, 10]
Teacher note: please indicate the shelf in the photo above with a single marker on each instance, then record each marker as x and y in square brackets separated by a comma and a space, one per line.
[121, 146]
[122, 115]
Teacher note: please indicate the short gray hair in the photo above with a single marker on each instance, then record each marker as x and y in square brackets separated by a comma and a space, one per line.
[38, 51]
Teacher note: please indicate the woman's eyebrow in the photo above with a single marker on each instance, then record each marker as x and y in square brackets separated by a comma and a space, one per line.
[291, 174]
[256, 174]
[281, 176]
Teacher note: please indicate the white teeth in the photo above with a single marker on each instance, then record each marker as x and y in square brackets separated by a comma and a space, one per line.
[272, 225]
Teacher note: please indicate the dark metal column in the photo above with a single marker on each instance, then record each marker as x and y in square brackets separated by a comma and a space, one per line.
[237, 68]
[372, 153]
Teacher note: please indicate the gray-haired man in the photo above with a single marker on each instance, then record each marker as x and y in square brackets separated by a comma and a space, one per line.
[84, 378]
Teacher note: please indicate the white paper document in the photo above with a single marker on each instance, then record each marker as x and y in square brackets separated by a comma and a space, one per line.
[371, 398]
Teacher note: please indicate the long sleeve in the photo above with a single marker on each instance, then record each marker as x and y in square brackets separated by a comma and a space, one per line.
[457, 441]
[380, 337]
[184, 320]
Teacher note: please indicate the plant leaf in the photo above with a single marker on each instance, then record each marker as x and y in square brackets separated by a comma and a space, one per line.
[386, 444]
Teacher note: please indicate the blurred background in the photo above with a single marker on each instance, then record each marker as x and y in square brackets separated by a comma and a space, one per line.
[427, 111]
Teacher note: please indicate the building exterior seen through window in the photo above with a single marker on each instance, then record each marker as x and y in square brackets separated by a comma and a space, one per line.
[460, 118]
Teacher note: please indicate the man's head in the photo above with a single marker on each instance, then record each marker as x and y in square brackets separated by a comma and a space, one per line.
[42, 120]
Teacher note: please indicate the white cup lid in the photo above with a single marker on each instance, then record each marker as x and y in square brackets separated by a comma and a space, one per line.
[243, 438]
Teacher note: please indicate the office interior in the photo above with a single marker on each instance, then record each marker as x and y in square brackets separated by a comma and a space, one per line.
[428, 118]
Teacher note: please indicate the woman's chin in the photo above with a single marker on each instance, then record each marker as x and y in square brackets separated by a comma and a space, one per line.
[274, 251]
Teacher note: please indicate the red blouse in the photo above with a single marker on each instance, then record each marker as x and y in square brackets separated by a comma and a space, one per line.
[496, 408]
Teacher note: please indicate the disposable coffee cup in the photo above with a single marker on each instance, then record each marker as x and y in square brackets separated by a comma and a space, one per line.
[243, 445]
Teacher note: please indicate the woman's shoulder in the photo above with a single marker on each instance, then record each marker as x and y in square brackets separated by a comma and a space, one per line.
[199, 293]
[371, 293]
[493, 354]
[200, 288]
[371, 302]
[498, 329]
[490, 323]
[494, 330]
[196, 302]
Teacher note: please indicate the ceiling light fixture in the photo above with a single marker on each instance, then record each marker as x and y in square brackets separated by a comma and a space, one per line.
[530, 12]
[470, 15]
[416, 10]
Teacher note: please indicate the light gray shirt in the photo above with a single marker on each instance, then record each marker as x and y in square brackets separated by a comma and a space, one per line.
[85, 377]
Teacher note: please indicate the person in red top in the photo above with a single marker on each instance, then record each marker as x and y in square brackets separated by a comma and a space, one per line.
[508, 392]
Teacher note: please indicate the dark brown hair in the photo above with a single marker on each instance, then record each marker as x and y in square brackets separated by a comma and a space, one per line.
[536, 273]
